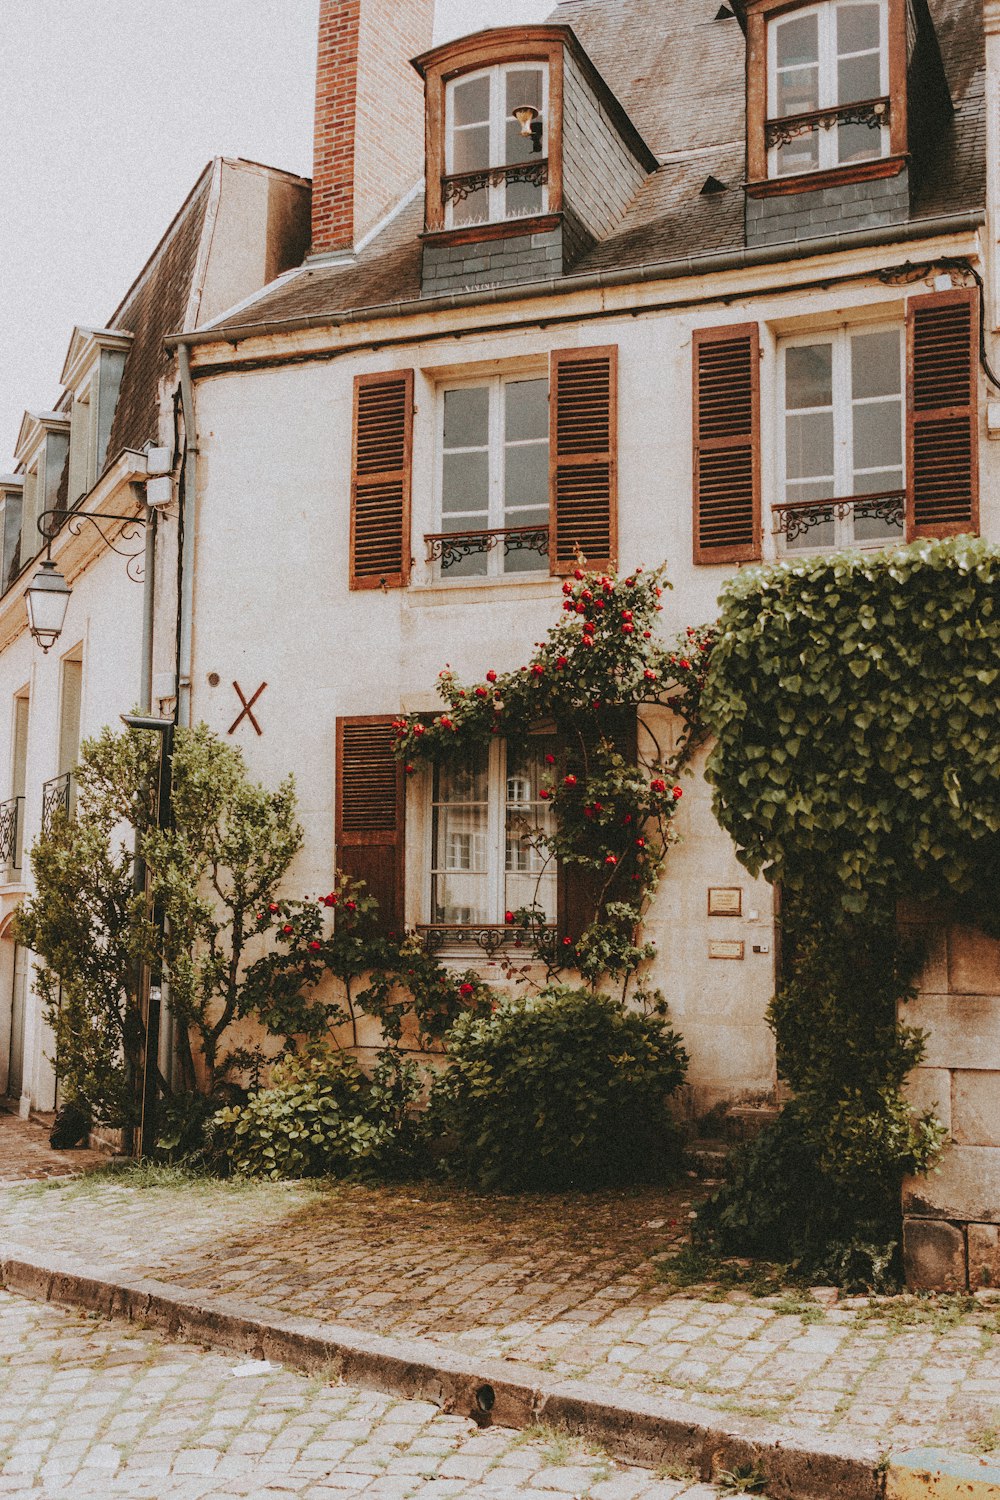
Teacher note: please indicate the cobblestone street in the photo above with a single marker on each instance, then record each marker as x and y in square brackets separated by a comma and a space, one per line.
[570, 1285]
[91, 1409]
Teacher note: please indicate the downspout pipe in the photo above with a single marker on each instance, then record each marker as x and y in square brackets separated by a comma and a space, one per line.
[185, 611]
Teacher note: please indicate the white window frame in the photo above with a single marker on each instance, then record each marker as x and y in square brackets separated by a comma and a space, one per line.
[496, 514]
[498, 135]
[826, 11]
[843, 486]
[496, 840]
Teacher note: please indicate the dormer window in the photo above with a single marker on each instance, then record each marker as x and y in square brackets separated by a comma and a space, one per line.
[828, 87]
[495, 165]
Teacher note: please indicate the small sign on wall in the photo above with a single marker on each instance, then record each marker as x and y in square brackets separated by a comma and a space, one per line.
[725, 901]
[725, 950]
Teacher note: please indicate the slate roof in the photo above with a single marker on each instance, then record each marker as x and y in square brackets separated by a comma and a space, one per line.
[680, 74]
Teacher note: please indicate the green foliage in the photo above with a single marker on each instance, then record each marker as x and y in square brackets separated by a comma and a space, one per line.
[566, 1089]
[857, 720]
[319, 1117]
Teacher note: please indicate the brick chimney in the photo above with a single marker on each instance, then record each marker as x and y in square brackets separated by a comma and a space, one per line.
[369, 143]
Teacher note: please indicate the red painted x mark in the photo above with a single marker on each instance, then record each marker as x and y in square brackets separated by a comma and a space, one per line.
[246, 712]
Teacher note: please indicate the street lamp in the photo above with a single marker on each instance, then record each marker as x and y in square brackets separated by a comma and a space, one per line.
[47, 598]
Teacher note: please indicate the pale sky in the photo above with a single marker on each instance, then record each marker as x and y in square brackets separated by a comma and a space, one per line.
[109, 110]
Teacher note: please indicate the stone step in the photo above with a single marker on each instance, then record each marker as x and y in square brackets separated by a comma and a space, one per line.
[744, 1122]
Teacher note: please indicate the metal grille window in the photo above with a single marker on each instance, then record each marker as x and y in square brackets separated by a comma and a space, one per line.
[494, 479]
[828, 82]
[483, 859]
[493, 171]
[842, 415]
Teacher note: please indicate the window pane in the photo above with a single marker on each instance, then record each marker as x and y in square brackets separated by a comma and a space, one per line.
[471, 101]
[797, 41]
[857, 28]
[475, 209]
[470, 149]
[800, 155]
[821, 535]
[809, 446]
[467, 417]
[524, 86]
[460, 882]
[809, 376]
[798, 91]
[466, 485]
[522, 198]
[530, 872]
[877, 528]
[878, 435]
[858, 143]
[527, 478]
[859, 78]
[527, 410]
[875, 364]
[465, 781]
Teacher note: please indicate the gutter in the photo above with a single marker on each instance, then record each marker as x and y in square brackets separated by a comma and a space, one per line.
[185, 586]
[716, 263]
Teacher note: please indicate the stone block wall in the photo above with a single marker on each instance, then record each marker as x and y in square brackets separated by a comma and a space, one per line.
[519, 257]
[951, 1217]
[830, 210]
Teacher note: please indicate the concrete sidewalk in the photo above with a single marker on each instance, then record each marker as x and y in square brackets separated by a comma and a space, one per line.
[570, 1290]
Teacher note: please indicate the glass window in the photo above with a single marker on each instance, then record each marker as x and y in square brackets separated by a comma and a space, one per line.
[831, 55]
[843, 416]
[482, 136]
[485, 856]
[495, 476]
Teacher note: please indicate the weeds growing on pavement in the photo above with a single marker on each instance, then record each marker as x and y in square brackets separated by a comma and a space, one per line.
[937, 1311]
[744, 1479]
[986, 1439]
[714, 1279]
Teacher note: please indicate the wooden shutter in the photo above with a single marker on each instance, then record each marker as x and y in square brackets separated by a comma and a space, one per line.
[583, 458]
[370, 813]
[727, 444]
[942, 413]
[380, 480]
[578, 887]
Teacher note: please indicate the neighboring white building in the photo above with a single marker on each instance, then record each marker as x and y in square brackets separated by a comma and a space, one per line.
[718, 303]
[240, 227]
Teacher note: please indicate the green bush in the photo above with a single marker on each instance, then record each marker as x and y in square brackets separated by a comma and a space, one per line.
[320, 1116]
[567, 1089]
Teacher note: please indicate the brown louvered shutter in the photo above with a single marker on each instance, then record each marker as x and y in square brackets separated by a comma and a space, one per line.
[583, 458]
[371, 813]
[380, 480]
[942, 410]
[727, 444]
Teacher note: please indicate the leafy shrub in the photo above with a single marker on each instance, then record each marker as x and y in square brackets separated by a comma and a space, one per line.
[320, 1116]
[566, 1089]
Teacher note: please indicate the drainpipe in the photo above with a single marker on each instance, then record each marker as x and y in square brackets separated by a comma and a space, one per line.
[149, 590]
[185, 608]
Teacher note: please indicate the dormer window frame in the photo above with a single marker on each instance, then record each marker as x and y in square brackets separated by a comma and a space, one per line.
[92, 375]
[498, 172]
[763, 121]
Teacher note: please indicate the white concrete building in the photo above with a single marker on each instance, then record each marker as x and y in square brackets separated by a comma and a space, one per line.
[718, 300]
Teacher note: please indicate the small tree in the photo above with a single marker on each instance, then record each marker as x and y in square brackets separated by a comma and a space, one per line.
[229, 845]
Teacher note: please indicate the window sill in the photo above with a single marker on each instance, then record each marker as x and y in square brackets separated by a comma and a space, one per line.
[480, 591]
[497, 229]
[809, 182]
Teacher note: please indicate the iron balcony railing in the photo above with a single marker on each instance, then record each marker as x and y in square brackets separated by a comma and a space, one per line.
[450, 547]
[11, 834]
[796, 518]
[57, 797]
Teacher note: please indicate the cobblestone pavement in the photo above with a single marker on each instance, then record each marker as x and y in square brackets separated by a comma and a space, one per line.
[25, 1153]
[90, 1410]
[570, 1285]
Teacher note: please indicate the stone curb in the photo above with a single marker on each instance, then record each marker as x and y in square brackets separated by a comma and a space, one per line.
[931, 1474]
[630, 1426]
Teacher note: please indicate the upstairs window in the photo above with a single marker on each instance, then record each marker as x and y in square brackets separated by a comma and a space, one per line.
[495, 478]
[828, 86]
[493, 170]
[842, 439]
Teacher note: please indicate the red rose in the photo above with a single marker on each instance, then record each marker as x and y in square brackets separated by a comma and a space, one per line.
[587, 595]
[611, 860]
[550, 760]
[287, 929]
[467, 991]
[587, 640]
[562, 661]
[677, 794]
[627, 614]
[481, 693]
[578, 574]
[640, 843]
[330, 900]
[628, 629]
[409, 770]
[630, 583]
[567, 942]
[544, 794]
[647, 635]
[273, 907]
[649, 675]
[260, 916]
[607, 585]
[418, 729]
[538, 670]
[351, 905]
[598, 806]
[569, 605]
[508, 917]
[315, 947]
[598, 603]
[589, 627]
[570, 781]
[657, 786]
[581, 609]
[567, 588]
[491, 676]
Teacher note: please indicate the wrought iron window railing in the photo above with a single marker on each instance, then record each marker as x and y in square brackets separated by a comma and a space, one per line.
[11, 834]
[462, 185]
[871, 112]
[57, 797]
[489, 937]
[450, 547]
[797, 518]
